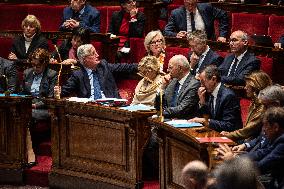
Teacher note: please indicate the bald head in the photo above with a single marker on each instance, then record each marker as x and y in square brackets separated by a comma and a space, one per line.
[238, 42]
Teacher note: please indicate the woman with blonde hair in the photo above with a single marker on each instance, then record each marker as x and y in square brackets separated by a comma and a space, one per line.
[30, 40]
[255, 82]
[146, 89]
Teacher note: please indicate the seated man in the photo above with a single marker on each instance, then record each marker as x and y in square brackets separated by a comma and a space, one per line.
[221, 105]
[195, 175]
[80, 14]
[201, 55]
[95, 77]
[8, 76]
[180, 98]
[240, 63]
[197, 16]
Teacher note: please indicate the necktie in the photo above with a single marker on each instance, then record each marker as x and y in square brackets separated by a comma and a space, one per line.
[192, 22]
[233, 67]
[97, 87]
[174, 98]
[199, 64]
[211, 105]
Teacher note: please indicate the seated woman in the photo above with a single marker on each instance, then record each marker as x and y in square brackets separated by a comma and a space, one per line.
[155, 45]
[126, 23]
[68, 48]
[38, 81]
[146, 89]
[255, 82]
[28, 42]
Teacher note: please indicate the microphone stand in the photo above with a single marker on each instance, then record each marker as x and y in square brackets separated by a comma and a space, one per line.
[57, 95]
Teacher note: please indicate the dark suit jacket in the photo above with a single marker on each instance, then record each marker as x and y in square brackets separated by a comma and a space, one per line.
[90, 19]
[271, 158]
[18, 46]
[210, 58]
[136, 29]
[177, 21]
[79, 82]
[281, 40]
[8, 76]
[63, 50]
[248, 64]
[227, 115]
[187, 99]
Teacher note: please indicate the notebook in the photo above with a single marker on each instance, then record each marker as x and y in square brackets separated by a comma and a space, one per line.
[262, 40]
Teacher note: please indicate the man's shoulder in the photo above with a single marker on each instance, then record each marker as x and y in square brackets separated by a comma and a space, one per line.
[179, 10]
[6, 63]
[90, 8]
[227, 92]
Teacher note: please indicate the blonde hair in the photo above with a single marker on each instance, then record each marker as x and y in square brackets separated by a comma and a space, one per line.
[149, 62]
[150, 36]
[258, 80]
[31, 20]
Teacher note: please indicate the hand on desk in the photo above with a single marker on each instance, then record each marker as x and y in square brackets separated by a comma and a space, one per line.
[181, 34]
[239, 148]
[197, 120]
[12, 56]
[225, 152]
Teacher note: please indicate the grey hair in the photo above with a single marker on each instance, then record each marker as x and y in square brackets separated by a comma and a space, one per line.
[181, 60]
[197, 35]
[273, 93]
[83, 51]
[197, 170]
[150, 36]
[244, 36]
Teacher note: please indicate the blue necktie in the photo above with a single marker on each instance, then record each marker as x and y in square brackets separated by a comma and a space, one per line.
[234, 67]
[192, 22]
[174, 99]
[97, 87]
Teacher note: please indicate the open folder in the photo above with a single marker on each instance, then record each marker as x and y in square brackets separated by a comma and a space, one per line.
[183, 123]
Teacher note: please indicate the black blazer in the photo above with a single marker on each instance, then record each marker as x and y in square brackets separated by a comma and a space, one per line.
[136, 29]
[19, 49]
[248, 64]
[210, 58]
[177, 21]
[8, 76]
[187, 99]
[227, 114]
[79, 83]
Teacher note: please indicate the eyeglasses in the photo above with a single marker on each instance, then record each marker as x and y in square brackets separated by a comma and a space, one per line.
[157, 42]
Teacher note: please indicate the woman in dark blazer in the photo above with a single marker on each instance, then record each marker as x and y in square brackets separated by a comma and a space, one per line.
[38, 81]
[28, 42]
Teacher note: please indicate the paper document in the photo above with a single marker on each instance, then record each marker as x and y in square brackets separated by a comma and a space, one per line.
[214, 139]
[138, 107]
[181, 123]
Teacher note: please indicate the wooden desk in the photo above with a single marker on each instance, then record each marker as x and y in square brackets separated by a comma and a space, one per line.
[15, 115]
[95, 146]
[177, 147]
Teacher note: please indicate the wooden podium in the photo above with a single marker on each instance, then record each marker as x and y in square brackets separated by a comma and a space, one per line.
[15, 115]
[177, 147]
[95, 146]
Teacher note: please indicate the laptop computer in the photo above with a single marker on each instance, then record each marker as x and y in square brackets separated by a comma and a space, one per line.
[262, 40]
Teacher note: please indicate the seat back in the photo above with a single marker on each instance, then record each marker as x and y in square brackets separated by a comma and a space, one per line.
[276, 27]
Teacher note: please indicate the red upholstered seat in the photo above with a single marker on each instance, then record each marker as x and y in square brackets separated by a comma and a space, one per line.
[137, 49]
[244, 109]
[126, 88]
[266, 64]
[276, 27]
[49, 16]
[12, 16]
[171, 51]
[250, 23]
[178, 2]
[104, 19]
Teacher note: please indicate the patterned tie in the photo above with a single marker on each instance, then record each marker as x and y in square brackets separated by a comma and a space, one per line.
[233, 67]
[174, 98]
[211, 105]
[97, 87]
[192, 22]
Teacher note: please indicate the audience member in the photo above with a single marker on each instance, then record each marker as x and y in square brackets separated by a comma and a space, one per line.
[155, 45]
[197, 16]
[127, 23]
[8, 76]
[237, 173]
[68, 48]
[217, 101]
[80, 14]
[147, 88]
[194, 175]
[95, 77]
[201, 55]
[39, 82]
[255, 82]
[240, 63]
[27, 43]
[179, 89]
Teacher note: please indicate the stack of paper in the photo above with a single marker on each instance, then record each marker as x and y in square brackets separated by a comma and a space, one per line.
[138, 107]
[181, 123]
[214, 139]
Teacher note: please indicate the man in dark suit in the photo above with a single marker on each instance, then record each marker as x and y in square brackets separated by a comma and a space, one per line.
[180, 98]
[95, 77]
[240, 63]
[201, 55]
[80, 14]
[8, 76]
[217, 101]
[197, 16]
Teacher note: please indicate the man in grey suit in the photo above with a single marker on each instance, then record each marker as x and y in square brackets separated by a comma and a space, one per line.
[180, 99]
[8, 76]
